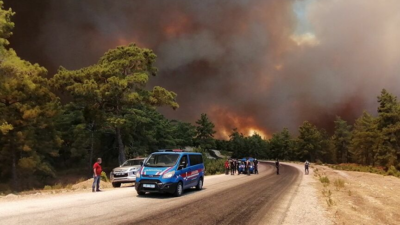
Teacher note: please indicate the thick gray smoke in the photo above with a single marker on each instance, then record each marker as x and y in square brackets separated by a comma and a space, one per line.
[251, 64]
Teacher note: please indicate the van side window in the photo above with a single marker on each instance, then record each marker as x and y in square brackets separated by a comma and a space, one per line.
[183, 161]
[195, 159]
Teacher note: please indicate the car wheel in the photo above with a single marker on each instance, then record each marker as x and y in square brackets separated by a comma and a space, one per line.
[141, 193]
[116, 185]
[179, 190]
[199, 185]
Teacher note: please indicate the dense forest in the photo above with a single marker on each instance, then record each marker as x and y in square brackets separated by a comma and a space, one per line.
[53, 122]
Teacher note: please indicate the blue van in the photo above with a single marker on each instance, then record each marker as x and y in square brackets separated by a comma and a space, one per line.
[170, 172]
[242, 165]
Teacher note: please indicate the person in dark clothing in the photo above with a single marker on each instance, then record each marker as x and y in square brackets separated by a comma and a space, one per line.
[277, 166]
[248, 164]
[255, 166]
[233, 167]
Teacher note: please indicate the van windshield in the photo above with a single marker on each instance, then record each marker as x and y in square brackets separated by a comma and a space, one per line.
[161, 160]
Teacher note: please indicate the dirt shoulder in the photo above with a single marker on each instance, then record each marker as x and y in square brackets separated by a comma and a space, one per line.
[305, 205]
[358, 197]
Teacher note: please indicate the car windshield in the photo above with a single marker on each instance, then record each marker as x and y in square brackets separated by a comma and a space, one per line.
[132, 162]
[161, 160]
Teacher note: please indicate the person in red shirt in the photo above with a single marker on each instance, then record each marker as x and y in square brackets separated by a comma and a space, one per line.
[226, 167]
[96, 175]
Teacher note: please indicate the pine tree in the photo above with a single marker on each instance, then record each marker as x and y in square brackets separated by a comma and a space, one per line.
[364, 142]
[308, 143]
[388, 123]
[205, 132]
[341, 140]
[28, 141]
[115, 86]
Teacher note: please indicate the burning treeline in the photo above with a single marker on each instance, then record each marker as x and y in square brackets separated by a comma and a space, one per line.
[256, 65]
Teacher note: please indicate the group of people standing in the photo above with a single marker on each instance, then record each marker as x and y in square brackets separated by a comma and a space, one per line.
[232, 166]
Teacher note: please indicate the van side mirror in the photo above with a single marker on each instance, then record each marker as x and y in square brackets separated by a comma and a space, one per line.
[141, 163]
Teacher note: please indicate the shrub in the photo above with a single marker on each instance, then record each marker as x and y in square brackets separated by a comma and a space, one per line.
[57, 186]
[47, 187]
[104, 177]
[324, 180]
[330, 202]
[392, 171]
[339, 183]
[327, 193]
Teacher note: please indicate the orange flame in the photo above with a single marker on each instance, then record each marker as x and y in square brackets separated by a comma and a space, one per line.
[225, 121]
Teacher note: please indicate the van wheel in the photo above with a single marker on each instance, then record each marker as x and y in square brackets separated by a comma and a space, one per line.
[141, 193]
[199, 185]
[179, 190]
[116, 185]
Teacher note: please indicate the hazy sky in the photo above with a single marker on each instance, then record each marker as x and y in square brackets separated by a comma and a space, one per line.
[252, 64]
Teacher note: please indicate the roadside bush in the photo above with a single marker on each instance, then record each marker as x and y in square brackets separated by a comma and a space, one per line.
[324, 180]
[104, 177]
[47, 187]
[359, 168]
[57, 186]
[393, 172]
[318, 162]
[339, 183]
[330, 202]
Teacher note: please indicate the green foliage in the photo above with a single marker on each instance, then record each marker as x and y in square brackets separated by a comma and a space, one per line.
[104, 177]
[365, 138]
[341, 140]
[308, 143]
[28, 140]
[112, 89]
[281, 146]
[47, 187]
[212, 166]
[205, 132]
[359, 168]
[6, 26]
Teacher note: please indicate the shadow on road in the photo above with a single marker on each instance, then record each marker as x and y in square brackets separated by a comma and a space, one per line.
[187, 192]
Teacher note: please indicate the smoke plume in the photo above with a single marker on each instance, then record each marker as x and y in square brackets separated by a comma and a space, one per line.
[258, 65]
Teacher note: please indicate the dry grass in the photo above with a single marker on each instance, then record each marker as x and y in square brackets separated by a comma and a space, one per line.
[359, 197]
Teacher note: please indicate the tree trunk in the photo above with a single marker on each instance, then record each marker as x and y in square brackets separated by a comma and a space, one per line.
[15, 182]
[121, 151]
[91, 149]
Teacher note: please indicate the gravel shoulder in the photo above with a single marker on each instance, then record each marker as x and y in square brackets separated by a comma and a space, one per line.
[306, 206]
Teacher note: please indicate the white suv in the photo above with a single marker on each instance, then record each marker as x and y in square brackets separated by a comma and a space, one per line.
[126, 173]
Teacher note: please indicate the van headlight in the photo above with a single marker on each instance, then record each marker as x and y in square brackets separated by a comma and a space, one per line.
[169, 174]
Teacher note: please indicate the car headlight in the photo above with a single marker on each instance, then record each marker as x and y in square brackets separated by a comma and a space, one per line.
[138, 174]
[131, 169]
[169, 174]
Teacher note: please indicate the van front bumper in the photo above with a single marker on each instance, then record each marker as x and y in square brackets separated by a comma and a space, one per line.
[159, 187]
[125, 178]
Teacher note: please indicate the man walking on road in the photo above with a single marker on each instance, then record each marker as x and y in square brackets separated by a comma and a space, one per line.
[96, 175]
[306, 164]
[277, 166]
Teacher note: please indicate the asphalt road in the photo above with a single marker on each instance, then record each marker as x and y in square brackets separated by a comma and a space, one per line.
[225, 199]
